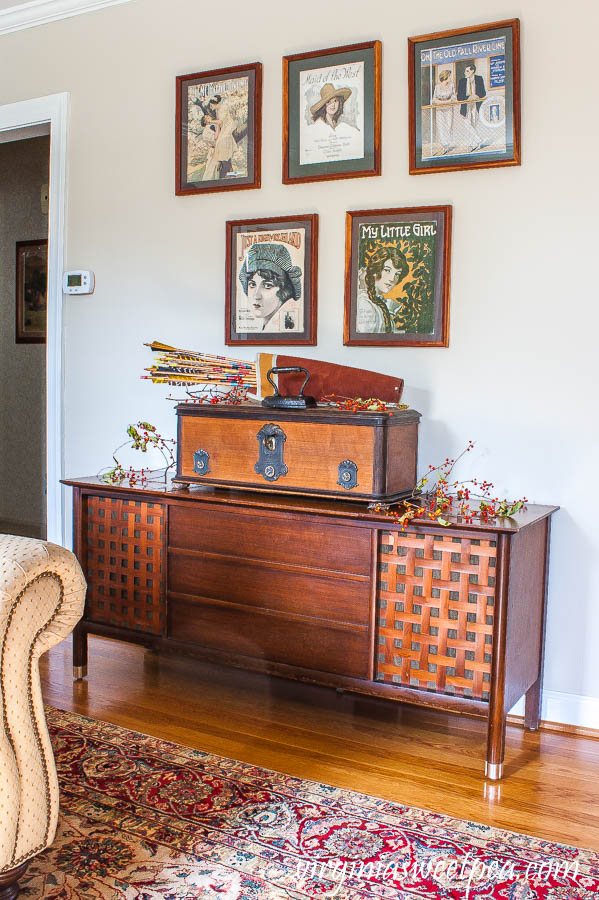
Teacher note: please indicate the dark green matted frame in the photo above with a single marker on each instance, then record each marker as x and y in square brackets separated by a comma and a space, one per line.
[369, 164]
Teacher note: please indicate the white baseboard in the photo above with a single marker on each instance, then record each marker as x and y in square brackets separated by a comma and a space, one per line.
[40, 12]
[566, 709]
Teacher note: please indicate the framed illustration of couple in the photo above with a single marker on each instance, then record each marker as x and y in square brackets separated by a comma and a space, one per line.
[218, 130]
[332, 113]
[271, 281]
[397, 275]
[464, 92]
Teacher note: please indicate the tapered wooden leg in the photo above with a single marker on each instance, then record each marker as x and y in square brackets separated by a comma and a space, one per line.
[79, 653]
[9, 888]
[495, 748]
[534, 695]
[532, 707]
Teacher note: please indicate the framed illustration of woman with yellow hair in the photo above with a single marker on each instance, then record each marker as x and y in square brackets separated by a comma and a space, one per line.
[397, 269]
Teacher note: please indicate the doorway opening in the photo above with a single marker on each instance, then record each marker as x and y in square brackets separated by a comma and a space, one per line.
[33, 140]
[24, 205]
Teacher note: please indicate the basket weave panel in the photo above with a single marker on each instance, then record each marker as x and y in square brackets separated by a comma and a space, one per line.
[435, 613]
[125, 563]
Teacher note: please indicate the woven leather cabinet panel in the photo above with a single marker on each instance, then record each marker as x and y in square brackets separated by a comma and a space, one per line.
[125, 563]
[435, 612]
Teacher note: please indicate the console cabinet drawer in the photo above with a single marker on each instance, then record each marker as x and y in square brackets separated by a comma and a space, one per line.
[337, 548]
[257, 585]
[258, 634]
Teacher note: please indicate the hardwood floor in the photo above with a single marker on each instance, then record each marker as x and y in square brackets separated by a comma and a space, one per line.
[405, 754]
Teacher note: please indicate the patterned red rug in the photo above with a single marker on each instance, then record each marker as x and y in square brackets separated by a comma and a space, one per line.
[143, 818]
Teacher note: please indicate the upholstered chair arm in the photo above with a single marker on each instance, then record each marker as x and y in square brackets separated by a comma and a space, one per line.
[42, 592]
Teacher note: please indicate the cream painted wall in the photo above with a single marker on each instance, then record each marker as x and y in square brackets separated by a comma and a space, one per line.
[520, 374]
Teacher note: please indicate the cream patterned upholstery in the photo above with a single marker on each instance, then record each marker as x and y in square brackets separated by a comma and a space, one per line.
[42, 591]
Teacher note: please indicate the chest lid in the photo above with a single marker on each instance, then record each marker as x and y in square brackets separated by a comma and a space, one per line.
[330, 415]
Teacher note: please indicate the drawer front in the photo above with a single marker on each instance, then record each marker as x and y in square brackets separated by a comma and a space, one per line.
[257, 585]
[312, 453]
[337, 548]
[436, 603]
[307, 643]
[125, 563]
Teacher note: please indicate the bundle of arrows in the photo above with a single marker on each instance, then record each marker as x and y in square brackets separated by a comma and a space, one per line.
[186, 368]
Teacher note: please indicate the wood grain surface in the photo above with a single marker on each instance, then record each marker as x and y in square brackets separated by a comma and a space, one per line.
[270, 635]
[251, 537]
[337, 508]
[312, 452]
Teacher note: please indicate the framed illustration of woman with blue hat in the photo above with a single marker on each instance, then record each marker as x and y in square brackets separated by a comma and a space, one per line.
[271, 281]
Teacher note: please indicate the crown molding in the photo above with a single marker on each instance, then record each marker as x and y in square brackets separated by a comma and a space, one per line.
[40, 12]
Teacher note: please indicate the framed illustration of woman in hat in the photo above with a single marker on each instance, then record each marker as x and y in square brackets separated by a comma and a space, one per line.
[332, 113]
[271, 281]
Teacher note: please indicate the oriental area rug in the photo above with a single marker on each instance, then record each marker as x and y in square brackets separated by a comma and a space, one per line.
[143, 818]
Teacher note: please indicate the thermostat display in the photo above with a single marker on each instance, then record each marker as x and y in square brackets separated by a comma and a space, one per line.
[78, 282]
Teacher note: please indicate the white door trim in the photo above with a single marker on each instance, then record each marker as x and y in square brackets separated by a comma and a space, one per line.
[53, 109]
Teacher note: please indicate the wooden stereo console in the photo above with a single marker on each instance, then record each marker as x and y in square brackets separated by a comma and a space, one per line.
[322, 590]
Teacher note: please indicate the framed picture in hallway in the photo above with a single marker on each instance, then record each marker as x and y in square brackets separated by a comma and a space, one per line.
[332, 113]
[464, 98]
[397, 272]
[218, 130]
[31, 291]
[271, 280]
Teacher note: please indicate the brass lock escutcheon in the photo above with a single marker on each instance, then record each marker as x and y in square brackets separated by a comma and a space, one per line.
[271, 441]
[348, 474]
[201, 462]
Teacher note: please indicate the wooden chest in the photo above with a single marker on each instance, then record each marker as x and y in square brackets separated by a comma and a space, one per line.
[327, 452]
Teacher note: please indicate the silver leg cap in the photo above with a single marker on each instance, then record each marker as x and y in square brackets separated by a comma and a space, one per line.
[493, 771]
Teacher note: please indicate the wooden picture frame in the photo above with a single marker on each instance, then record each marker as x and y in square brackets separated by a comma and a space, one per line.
[464, 98]
[397, 276]
[31, 291]
[320, 143]
[218, 130]
[279, 307]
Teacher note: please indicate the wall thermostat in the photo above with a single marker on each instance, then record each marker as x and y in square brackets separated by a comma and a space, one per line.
[78, 282]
